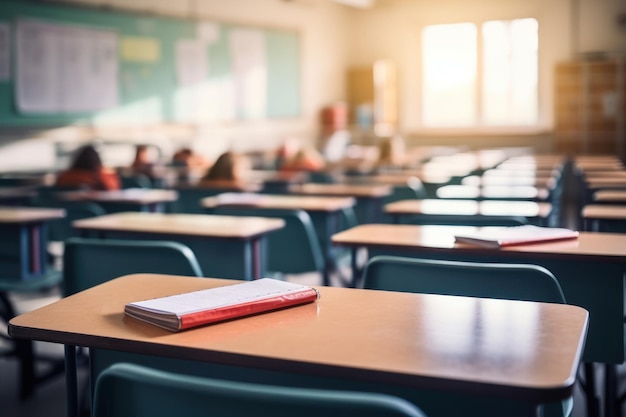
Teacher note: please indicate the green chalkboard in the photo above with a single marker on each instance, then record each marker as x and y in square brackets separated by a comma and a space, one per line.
[150, 90]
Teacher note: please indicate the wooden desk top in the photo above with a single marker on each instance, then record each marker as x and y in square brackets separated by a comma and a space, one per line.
[283, 202]
[128, 196]
[606, 247]
[605, 182]
[346, 190]
[29, 214]
[610, 196]
[182, 224]
[470, 207]
[494, 192]
[512, 348]
[399, 178]
[604, 211]
[226, 185]
[17, 192]
[540, 182]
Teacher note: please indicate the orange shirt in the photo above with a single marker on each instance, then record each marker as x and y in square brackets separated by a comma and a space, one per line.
[102, 180]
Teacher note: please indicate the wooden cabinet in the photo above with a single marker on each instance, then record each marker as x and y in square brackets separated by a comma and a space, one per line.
[373, 97]
[589, 107]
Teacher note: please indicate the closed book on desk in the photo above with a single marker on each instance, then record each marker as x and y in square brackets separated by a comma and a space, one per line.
[515, 235]
[184, 311]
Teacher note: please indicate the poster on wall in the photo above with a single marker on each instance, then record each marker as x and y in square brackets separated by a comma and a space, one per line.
[5, 52]
[247, 47]
[64, 68]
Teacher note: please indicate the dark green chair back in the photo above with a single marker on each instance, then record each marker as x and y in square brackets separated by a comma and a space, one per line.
[125, 390]
[89, 262]
[472, 279]
[293, 249]
[61, 229]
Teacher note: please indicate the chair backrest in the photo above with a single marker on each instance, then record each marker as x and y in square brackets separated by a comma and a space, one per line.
[135, 180]
[293, 249]
[468, 220]
[472, 279]
[61, 229]
[125, 390]
[89, 262]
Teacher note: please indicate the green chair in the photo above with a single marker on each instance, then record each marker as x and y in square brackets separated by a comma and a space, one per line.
[125, 390]
[89, 262]
[471, 279]
[60, 230]
[293, 249]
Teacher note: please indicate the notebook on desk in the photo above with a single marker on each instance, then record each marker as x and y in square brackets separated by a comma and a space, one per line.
[515, 235]
[197, 308]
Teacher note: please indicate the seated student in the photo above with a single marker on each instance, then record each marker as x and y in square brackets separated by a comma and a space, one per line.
[185, 157]
[189, 165]
[87, 171]
[229, 168]
[391, 154]
[306, 159]
[142, 164]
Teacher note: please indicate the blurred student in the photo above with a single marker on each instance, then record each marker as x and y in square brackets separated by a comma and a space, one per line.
[185, 157]
[229, 167]
[142, 163]
[86, 171]
[392, 154]
[306, 159]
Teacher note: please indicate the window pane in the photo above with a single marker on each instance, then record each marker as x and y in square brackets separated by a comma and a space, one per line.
[449, 82]
[510, 72]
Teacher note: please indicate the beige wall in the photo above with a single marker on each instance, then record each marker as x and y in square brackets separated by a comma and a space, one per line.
[392, 30]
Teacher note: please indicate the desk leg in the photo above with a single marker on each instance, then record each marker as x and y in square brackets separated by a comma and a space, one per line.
[258, 269]
[356, 278]
[611, 405]
[593, 402]
[71, 381]
[332, 225]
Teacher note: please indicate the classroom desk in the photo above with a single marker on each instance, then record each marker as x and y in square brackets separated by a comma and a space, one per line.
[536, 212]
[493, 192]
[609, 197]
[17, 196]
[369, 198]
[430, 349]
[189, 195]
[590, 270]
[548, 182]
[604, 217]
[24, 241]
[135, 199]
[226, 246]
[24, 268]
[325, 212]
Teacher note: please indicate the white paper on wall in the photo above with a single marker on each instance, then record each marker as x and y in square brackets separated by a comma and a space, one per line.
[250, 72]
[65, 69]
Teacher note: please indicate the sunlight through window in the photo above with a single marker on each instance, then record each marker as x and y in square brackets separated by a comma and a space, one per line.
[449, 62]
[510, 72]
[501, 91]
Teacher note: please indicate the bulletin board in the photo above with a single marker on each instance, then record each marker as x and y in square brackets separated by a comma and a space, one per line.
[62, 64]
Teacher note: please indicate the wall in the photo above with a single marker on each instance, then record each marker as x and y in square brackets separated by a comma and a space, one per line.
[323, 28]
[392, 30]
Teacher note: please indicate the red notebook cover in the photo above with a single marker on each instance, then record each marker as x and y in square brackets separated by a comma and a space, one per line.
[185, 311]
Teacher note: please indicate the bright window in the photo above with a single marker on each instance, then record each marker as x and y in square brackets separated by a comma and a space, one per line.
[487, 80]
